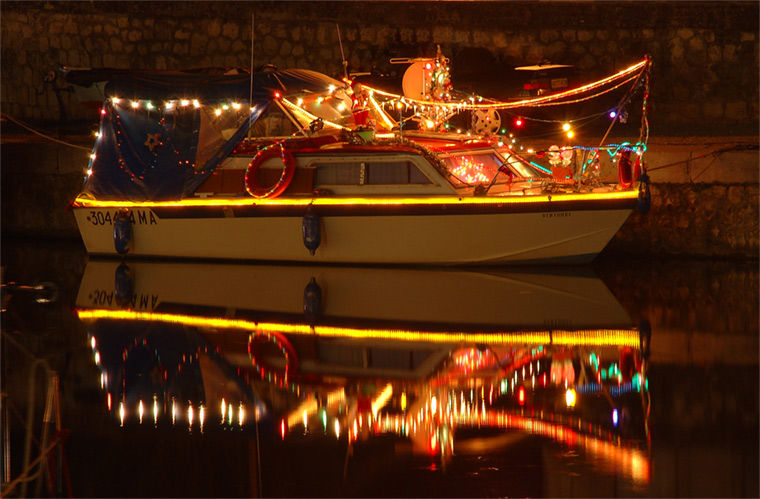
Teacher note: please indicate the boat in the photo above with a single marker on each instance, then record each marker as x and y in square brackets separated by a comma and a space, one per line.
[295, 166]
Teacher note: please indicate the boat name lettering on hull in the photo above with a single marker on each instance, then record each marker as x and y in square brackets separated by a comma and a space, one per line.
[559, 214]
[136, 217]
[140, 301]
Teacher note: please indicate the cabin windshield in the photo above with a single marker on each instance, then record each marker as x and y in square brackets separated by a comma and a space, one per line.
[475, 167]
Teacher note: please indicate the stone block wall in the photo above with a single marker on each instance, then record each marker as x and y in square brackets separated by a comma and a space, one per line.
[705, 54]
[695, 220]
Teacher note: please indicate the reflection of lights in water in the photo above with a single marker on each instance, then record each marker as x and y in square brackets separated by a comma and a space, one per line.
[599, 337]
[631, 461]
[121, 413]
[224, 410]
[382, 399]
[108, 401]
[201, 416]
[140, 410]
[570, 397]
[174, 411]
[241, 414]
[190, 414]
[229, 413]
[155, 409]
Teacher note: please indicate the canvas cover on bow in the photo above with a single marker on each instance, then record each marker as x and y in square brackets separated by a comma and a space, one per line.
[163, 133]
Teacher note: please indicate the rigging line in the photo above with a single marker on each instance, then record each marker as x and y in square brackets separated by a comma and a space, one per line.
[19, 123]
[250, 95]
[582, 99]
[342, 54]
[625, 99]
[535, 101]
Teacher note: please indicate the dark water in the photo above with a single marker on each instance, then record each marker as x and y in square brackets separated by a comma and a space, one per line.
[626, 378]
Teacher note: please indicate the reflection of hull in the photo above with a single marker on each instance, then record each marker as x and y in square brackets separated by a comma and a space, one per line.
[443, 300]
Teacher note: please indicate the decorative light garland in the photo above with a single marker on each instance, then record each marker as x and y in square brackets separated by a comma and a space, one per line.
[534, 102]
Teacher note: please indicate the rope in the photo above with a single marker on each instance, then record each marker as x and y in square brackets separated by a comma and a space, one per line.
[36, 132]
[715, 153]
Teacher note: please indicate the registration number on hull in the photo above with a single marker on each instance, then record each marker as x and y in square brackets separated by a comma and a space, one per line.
[136, 217]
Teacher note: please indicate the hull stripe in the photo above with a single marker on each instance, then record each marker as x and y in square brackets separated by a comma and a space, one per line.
[364, 210]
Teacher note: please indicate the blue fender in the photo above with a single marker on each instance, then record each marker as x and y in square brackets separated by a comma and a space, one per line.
[312, 231]
[122, 232]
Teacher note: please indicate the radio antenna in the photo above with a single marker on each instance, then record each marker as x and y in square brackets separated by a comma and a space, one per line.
[342, 55]
[250, 101]
[250, 94]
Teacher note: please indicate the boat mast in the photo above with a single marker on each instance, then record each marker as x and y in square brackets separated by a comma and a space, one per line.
[250, 94]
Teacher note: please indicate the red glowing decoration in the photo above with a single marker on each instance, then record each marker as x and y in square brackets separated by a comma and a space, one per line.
[521, 395]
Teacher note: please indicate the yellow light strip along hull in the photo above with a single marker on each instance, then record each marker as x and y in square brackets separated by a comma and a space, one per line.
[448, 200]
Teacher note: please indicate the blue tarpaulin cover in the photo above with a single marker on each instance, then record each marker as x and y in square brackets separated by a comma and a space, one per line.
[157, 152]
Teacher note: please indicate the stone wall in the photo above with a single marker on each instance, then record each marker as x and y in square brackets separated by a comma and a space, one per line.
[705, 53]
[695, 220]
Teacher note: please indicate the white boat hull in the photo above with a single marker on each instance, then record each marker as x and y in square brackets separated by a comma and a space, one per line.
[439, 234]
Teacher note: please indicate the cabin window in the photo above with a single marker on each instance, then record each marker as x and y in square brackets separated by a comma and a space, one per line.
[337, 174]
[369, 173]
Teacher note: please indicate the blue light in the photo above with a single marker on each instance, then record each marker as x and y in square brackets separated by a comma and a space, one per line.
[613, 114]
[536, 165]
[614, 417]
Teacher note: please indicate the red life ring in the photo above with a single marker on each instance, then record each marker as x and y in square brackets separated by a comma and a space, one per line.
[288, 170]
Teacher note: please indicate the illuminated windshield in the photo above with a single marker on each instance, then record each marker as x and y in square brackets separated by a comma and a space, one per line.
[481, 166]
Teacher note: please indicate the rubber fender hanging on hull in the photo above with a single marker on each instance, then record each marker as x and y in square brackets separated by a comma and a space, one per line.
[122, 232]
[312, 230]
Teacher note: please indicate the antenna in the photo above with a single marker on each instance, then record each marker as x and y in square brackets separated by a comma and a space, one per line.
[250, 95]
[342, 55]
[250, 100]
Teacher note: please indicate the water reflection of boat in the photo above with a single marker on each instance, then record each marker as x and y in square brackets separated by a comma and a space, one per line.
[360, 352]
